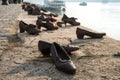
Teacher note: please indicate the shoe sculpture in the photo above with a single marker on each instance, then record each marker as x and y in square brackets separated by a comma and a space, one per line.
[4, 2]
[26, 6]
[29, 9]
[59, 24]
[44, 47]
[49, 26]
[44, 10]
[61, 59]
[39, 22]
[30, 29]
[36, 10]
[22, 26]
[82, 32]
[51, 19]
[53, 15]
[71, 20]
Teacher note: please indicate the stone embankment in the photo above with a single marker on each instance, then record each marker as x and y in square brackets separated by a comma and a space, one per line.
[20, 58]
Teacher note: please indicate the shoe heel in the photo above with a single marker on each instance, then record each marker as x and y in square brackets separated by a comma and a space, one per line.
[65, 23]
[22, 30]
[80, 36]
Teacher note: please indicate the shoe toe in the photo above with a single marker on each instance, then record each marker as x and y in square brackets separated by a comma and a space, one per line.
[67, 67]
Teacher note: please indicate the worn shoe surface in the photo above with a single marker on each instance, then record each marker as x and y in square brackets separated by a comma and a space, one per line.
[22, 26]
[32, 30]
[71, 20]
[49, 26]
[61, 59]
[4, 2]
[44, 47]
[82, 32]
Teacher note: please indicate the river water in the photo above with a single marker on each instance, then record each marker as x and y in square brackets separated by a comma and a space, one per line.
[102, 17]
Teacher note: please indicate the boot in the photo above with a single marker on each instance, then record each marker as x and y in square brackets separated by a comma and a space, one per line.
[82, 32]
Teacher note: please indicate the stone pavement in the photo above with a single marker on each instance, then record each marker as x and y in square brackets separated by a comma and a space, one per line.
[8, 18]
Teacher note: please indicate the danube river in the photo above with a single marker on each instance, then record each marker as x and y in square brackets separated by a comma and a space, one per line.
[102, 17]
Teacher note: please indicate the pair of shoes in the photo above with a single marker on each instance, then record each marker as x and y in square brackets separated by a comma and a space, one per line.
[82, 32]
[71, 20]
[46, 24]
[59, 55]
[44, 47]
[30, 29]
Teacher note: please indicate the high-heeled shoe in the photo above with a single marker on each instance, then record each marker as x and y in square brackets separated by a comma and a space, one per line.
[39, 22]
[53, 15]
[4, 2]
[60, 24]
[30, 29]
[49, 26]
[44, 10]
[82, 32]
[71, 20]
[29, 9]
[61, 59]
[22, 26]
[51, 19]
[44, 47]
[36, 10]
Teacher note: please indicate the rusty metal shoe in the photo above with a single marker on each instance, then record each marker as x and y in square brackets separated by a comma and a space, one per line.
[39, 22]
[44, 10]
[82, 32]
[29, 9]
[4, 2]
[49, 26]
[61, 59]
[22, 26]
[71, 20]
[44, 47]
[32, 30]
[36, 11]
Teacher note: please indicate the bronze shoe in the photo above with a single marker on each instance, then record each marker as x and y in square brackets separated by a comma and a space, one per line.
[82, 32]
[71, 20]
[61, 59]
[22, 26]
[44, 47]
[4, 2]
[49, 26]
[32, 30]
